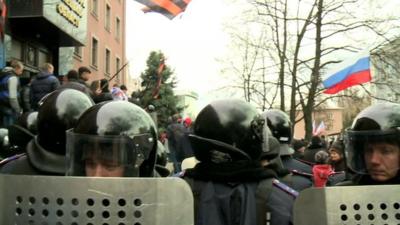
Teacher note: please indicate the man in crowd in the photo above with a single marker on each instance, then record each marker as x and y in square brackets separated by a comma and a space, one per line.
[10, 108]
[44, 83]
[84, 75]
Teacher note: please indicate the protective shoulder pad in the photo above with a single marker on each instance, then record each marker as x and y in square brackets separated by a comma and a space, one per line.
[285, 188]
[11, 158]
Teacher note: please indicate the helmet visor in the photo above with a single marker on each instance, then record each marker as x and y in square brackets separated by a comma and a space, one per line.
[373, 152]
[106, 156]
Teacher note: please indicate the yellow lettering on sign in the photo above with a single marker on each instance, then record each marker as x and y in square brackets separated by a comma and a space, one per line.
[75, 6]
[65, 12]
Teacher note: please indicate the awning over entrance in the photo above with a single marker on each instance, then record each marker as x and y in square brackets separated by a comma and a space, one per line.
[57, 22]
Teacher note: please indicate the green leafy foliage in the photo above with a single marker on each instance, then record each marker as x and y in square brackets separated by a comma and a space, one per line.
[162, 98]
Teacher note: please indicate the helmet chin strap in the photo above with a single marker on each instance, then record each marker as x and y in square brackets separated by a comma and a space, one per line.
[223, 145]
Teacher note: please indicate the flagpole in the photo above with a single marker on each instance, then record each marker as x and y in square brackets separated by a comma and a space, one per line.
[120, 69]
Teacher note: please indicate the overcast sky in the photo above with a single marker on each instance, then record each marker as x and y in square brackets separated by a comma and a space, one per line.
[195, 41]
[192, 42]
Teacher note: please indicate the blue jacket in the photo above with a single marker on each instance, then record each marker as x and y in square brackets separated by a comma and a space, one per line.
[42, 85]
[4, 94]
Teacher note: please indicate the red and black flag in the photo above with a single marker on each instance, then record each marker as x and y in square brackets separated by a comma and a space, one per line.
[3, 14]
[160, 69]
[168, 8]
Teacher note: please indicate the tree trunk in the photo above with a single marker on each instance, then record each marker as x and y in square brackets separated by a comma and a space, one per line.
[308, 109]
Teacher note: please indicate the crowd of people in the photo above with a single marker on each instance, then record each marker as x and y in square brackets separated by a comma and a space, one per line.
[23, 94]
[246, 168]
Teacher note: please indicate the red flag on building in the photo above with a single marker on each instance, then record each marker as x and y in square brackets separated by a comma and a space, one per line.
[168, 8]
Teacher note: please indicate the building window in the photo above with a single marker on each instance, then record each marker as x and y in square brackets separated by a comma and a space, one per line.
[16, 49]
[95, 46]
[44, 57]
[117, 68]
[108, 17]
[78, 51]
[95, 7]
[117, 64]
[108, 57]
[31, 57]
[117, 28]
[329, 115]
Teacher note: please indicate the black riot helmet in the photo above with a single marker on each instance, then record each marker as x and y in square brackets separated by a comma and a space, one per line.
[28, 121]
[23, 131]
[281, 128]
[377, 123]
[280, 125]
[114, 136]
[229, 130]
[58, 112]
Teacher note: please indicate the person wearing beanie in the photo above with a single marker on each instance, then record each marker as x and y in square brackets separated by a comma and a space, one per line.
[299, 146]
[315, 146]
[336, 155]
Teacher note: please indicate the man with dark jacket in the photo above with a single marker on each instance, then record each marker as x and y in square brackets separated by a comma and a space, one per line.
[44, 83]
[315, 146]
[281, 128]
[175, 132]
[72, 82]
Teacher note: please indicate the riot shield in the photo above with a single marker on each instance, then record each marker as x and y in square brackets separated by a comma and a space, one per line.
[41, 200]
[350, 205]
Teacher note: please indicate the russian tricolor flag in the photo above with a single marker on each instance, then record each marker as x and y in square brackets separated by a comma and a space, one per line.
[357, 72]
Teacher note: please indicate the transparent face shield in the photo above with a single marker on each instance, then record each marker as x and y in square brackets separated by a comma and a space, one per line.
[106, 156]
[373, 152]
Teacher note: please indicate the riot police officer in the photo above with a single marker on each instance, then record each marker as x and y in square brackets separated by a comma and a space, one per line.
[373, 145]
[281, 128]
[113, 139]
[45, 153]
[23, 131]
[229, 183]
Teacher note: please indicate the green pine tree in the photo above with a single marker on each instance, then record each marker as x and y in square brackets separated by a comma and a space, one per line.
[163, 98]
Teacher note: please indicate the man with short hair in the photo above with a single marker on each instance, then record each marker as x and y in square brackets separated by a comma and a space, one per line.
[9, 84]
[84, 74]
[72, 82]
[373, 145]
[44, 83]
